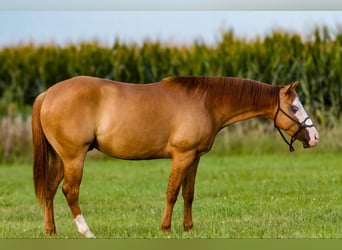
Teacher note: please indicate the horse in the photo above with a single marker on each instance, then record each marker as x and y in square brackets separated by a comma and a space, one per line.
[177, 118]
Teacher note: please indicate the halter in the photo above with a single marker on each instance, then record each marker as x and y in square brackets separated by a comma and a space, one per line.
[301, 126]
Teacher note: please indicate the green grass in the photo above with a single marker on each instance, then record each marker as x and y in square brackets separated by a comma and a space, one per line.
[290, 195]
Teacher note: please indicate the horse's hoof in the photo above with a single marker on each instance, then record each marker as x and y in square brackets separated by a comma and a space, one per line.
[166, 230]
[188, 228]
[88, 234]
[51, 232]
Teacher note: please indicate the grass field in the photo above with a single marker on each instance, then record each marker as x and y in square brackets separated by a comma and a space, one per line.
[290, 195]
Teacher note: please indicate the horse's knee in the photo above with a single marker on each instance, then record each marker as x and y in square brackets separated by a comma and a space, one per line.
[171, 197]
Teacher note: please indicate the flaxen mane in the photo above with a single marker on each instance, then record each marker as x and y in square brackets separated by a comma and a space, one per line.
[240, 91]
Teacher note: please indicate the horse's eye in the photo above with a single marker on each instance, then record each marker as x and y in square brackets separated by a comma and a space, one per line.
[294, 109]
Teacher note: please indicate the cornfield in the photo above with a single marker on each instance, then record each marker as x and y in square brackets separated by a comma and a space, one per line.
[278, 58]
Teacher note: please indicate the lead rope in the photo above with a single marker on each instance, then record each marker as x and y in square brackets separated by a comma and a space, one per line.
[291, 148]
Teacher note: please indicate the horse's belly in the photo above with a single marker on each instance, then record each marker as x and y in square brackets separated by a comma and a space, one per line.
[134, 148]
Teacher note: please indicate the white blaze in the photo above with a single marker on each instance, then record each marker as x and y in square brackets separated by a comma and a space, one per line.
[301, 116]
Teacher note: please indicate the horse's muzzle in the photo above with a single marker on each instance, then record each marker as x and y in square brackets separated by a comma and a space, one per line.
[309, 137]
[313, 142]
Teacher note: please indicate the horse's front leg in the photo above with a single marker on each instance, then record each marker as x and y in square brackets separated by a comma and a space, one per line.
[180, 165]
[188, 189]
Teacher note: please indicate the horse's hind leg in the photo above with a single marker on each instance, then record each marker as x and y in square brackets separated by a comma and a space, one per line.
[55, 177]
[73, 170]
[188, 189]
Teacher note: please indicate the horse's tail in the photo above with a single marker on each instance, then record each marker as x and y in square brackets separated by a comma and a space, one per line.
[41, 149]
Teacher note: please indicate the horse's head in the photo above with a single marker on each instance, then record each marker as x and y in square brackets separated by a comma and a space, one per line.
[291, 117]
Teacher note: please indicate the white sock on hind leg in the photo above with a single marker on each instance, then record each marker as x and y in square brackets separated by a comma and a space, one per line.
[82, 226]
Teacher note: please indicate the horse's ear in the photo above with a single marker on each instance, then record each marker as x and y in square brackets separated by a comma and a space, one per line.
[288, 88]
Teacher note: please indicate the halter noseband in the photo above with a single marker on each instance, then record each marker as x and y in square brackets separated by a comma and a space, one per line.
[301, 126]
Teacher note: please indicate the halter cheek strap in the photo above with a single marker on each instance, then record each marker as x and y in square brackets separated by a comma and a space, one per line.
[301, 126]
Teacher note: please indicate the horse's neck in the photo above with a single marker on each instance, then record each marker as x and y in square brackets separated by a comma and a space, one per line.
[243, 113]
[233, 109]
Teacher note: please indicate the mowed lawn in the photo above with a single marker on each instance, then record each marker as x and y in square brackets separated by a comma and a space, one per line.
[291, 195]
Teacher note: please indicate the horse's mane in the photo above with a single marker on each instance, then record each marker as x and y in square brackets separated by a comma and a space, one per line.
[233, 90]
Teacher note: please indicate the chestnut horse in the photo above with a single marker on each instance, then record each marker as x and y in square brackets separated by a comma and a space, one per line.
[176, 118]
